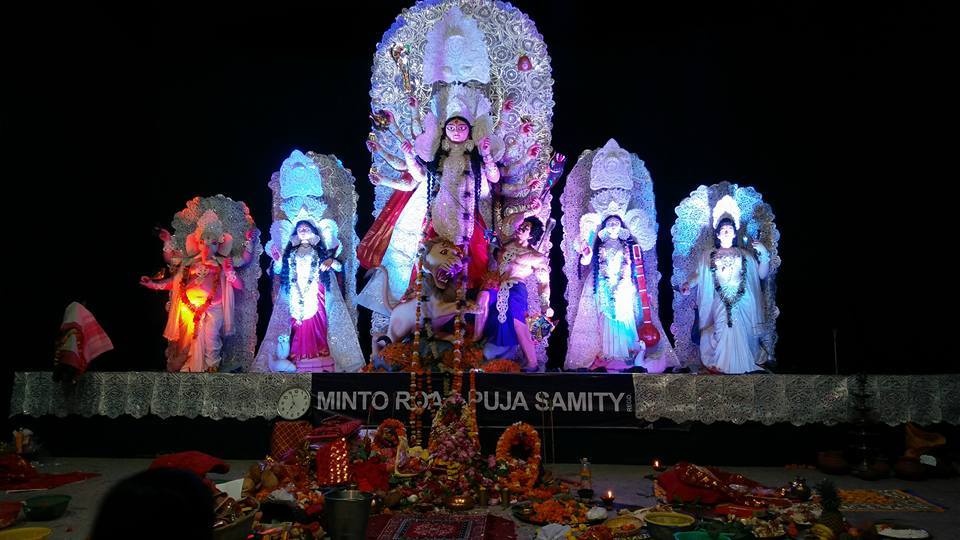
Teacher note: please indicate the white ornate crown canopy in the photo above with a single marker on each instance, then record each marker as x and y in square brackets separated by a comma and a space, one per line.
[615, 202]
[283, 231]
[612, 168]
[610, 202]
[726, 207]
[300, 177]
[465, 102]
[456, 51]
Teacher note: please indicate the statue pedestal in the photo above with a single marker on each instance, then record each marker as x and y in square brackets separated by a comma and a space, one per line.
[315, 365]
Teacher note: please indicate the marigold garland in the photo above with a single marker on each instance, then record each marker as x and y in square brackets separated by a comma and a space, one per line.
[471, 357]
[501, 365]
[400, 357]
[566, 511]
[523, 472]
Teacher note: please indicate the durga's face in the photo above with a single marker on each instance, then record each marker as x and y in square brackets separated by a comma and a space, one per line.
[457, 130]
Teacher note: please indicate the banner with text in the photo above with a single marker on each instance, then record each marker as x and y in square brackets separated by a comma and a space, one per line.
[557, 399]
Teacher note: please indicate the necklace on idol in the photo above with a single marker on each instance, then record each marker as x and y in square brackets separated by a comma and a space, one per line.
[314, 266]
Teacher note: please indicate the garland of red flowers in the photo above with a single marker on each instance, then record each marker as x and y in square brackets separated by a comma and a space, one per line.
[387, 437]
[523, 469]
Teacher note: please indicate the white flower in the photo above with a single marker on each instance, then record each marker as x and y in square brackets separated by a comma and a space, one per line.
[597, 512]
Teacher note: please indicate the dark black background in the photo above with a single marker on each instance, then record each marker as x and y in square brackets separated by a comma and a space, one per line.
[836, 113]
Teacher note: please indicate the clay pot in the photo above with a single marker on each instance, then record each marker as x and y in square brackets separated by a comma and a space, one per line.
[880, 468]
[909, 469]
[392, 499]
[832, 462]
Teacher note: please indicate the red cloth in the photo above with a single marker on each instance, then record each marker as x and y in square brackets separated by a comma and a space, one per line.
[9, 512]
[16, 474]
[451, 526]
[81, 338]
[676, 489]
[334, 428]
[333, 463]
[371, 475]
[15, 469]
[47, 481]
[196, 462]
[288, 436]
[374, 244]
[709, 485]
[479, 255]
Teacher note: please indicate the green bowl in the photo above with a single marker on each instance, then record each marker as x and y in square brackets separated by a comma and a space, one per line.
[45, 507]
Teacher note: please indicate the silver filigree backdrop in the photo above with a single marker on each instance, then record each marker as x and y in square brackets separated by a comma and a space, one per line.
[210, 395]
[796, 399]
[339, 203]
[509, 34]
[339, 189]
[575, 202]
[238, 349]
[692, 234]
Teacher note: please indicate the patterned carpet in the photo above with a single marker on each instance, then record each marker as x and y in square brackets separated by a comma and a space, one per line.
[884, 500]
[440, 527]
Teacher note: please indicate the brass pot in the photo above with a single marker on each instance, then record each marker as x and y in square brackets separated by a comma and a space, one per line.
[798, 489]
[832, 462]
[376, 504]
[392, 499]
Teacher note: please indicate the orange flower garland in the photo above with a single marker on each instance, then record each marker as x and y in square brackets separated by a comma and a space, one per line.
[399, 355]
[470, 357]
[523, 471]
[862, 496]
[501, 365]
[541, 494]
[566, 511]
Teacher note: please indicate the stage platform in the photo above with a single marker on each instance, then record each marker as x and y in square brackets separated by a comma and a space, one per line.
[573, 400]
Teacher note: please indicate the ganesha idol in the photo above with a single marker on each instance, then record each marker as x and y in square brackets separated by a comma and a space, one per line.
[211, 320]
